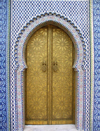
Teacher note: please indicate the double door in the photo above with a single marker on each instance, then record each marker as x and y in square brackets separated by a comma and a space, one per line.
[49, 90]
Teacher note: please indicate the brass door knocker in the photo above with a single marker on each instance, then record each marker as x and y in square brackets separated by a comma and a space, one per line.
[44, 66]
[55, 66]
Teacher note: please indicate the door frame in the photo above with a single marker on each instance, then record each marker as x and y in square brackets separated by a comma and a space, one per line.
[20, 65]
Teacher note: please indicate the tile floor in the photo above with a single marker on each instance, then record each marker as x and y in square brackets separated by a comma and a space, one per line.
[50, 128]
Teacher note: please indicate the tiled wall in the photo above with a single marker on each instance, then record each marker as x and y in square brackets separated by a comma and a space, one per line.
[21, 12]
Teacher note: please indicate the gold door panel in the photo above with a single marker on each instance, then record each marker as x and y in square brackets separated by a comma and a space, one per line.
[62, 78]
[49, 91]
[36, 78]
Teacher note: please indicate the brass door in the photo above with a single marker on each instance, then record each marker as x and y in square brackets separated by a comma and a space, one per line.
[49, 91]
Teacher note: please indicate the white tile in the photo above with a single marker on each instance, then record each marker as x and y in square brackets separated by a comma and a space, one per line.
[50, 128]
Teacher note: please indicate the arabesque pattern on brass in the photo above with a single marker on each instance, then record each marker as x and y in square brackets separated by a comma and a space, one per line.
[62, 79]
[36, 78]
[49, 79]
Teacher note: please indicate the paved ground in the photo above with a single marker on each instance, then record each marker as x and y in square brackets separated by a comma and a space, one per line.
[50, 128]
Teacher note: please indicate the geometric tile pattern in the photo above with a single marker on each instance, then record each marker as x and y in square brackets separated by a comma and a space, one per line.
[22, 11]
[96, 30]
[4, 117]
[72, 9]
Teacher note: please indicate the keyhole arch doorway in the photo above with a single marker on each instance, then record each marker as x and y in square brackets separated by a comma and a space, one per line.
[23, 38]
[49, 81]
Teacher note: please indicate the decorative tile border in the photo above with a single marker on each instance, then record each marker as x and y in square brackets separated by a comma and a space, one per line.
[96, 30]
[51, 0]
[92, 64]
[4, 71]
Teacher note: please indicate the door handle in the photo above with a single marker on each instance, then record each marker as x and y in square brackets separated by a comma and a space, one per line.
[44, 66]
[55, 66]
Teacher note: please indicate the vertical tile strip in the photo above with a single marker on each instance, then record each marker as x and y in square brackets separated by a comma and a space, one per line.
[92, 64]
[4, 88]
[96, 36]
[7, 65]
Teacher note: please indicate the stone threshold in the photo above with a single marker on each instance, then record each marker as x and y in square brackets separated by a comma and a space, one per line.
[69, 127]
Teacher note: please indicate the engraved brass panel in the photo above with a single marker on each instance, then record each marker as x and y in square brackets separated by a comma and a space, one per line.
[49, 93]
[36, 78]
[62, 78]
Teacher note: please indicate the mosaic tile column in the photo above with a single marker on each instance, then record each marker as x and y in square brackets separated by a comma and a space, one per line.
[96, 31]
[4, 66]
